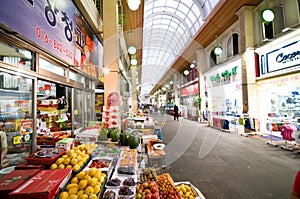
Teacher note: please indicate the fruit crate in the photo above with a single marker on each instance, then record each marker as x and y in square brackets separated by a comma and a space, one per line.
[196, 192]
[46, 160]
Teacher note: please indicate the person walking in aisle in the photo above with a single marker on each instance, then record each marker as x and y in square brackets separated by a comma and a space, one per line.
[175, 112]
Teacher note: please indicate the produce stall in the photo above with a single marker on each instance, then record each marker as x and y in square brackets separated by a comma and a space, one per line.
[101, 162]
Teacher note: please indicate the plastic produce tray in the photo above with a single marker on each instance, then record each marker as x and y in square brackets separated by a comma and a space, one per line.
[33, 159]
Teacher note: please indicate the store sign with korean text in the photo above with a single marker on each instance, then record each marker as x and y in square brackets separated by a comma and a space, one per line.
[224, 77]
[56, 26]
[189, 90]
[282, 58]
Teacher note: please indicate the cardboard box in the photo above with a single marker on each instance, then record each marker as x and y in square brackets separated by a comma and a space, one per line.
[66, 143]
[15, 179]
[44, 185]
[25, 166]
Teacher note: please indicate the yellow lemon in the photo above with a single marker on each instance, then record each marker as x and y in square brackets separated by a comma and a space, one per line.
[59, 160]
[61, 166]
[97, 189]
[92, 171]
[75, 180]
[63, 195]
[83, 184]
[84, 196]
[79, 158]
[69, 166]
[93, 196]
[74, 161]
[80, 163]
[89, 190]
[102, 179]
[53, 166]
[67, 161]
[191, 197]
[98, 176]
[87, 177]
[81, 175]
[65, 156]
[76, 167]
[80, 193]
[73, 191]
[93, 182]
[70, 186]
[73, 197]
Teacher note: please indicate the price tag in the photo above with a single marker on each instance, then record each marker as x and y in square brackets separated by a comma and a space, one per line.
[16, 140]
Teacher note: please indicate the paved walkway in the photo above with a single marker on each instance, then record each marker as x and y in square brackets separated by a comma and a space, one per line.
[227, 165]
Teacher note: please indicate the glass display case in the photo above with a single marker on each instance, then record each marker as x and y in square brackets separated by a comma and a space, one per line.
[16, 116]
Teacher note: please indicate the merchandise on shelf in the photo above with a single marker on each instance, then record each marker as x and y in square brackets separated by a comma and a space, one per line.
[111, 117]
[65, 143]
[87, 136]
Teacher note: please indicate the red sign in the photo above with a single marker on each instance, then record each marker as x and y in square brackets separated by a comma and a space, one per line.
[189, 90]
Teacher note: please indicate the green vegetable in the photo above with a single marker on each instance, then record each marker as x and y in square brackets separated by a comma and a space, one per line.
[124, 138]
[103, 134]
[115, 135]
[133, 141]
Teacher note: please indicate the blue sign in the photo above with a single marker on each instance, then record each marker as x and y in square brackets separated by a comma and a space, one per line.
[55, 26]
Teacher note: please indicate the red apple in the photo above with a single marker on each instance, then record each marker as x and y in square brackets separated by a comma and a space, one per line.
[154, 189]
[151, 183]
[155, 195]
[148, 196]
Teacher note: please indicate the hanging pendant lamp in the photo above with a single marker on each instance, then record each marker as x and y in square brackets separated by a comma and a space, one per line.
[133, 4]
[218, 49]
[267, 15]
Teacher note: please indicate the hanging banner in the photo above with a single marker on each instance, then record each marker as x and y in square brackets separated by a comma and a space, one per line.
[57, 27]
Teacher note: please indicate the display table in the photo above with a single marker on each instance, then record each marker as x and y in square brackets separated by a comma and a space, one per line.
[156, 158]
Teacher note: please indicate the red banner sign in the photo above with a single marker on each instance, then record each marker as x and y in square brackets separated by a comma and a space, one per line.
[189, 90]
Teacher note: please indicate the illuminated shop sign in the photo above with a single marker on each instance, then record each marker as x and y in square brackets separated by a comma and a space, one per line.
[56, 26]
[281, 58]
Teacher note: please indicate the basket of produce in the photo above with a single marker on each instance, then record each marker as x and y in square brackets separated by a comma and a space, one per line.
[77, 158]
[188, 190]
[45, 156]
[86, 184]
[104, 164]
[149, 174]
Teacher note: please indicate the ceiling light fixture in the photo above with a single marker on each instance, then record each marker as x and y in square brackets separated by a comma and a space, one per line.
[131, 50]
[192, 65]
[133, 4]
[267, 15]
[133, 61]
[218, 49]
[186, 72]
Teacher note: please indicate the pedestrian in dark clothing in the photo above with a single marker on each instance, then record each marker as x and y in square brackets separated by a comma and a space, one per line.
[175, 112]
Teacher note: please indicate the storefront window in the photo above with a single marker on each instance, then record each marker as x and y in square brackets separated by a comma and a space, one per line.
[53, 107]
[76, 77]
[51, 67]
[16, 111]
[15, 56]
[78, 108]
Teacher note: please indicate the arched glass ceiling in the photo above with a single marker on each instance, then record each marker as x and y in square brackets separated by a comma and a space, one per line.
[168, 26]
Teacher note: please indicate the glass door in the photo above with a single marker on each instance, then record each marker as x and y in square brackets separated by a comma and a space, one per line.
[16, 115]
